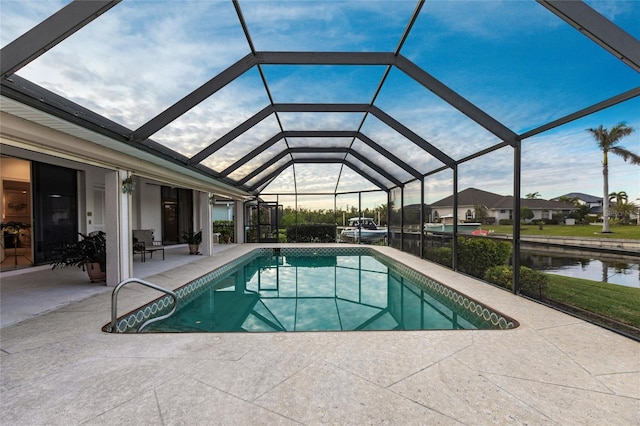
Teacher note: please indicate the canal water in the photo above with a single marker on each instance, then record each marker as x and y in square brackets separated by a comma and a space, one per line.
[587, 266]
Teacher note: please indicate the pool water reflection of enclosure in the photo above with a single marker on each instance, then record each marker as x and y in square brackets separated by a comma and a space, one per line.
[289, 291]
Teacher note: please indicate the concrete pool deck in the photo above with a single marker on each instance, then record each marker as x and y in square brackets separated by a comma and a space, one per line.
[59, 368]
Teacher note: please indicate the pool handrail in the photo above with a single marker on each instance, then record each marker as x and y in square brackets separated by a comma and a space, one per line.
[114, 303]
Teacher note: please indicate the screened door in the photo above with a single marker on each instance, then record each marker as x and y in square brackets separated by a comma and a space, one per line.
[177, 214]
[55, 209]
[269, 220]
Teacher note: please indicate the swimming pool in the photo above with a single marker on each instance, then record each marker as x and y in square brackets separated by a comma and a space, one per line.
[315, 289]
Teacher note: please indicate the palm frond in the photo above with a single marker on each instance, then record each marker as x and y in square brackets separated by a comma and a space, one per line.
[625, 154]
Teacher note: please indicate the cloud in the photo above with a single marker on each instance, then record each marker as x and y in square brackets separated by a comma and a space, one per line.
[141, 57]
[136, 59]
[215, 116]
[20, 16]
[484, 19]
[326, 25]
[261, 159]
[243, 144]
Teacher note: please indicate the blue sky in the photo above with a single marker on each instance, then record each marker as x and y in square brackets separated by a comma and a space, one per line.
[514, 59]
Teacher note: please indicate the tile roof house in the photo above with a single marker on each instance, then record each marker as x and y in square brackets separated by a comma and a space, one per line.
[498, 206]
[594, 203]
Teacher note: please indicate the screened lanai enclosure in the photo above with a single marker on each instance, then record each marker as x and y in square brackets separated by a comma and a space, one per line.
[388, 109]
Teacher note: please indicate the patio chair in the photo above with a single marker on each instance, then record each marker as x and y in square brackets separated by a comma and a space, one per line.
[144, 243]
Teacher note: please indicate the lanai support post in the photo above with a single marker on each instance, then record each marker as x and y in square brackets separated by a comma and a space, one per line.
[360, 216]
[402, 248]
[422, 218]
[388, 218]
[515, 260]
[455, 219]
[238, 222]
[118, 229]
[206, 223]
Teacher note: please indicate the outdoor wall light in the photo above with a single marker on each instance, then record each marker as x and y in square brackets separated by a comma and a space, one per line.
[128, 185]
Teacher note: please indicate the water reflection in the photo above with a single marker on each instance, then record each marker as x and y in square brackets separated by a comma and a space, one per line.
[319, 293]
[611, 271]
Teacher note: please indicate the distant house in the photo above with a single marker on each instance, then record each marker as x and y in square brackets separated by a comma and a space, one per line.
[223, 210]
[594, 203]
[498, 206]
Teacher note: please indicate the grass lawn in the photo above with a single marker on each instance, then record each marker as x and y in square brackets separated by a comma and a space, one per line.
[629, 232]
[609, 300]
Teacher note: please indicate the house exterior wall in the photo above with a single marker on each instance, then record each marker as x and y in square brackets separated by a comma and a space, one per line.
[462, 212]
[91, 202]
[148, 207]
[498, 214]
[501, 214]
[538, 214]
[100, 168]
[223, 211]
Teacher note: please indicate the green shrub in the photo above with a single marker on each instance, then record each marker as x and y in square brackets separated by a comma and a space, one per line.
[441, 255]
[501, 275]
[505, 222]
[477, 255]
[557, 219]
[225, 228]
[489, 221]
[532, 283]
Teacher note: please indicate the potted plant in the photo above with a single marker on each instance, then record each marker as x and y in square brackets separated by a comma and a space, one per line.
[194, 239]
[89, 253]
[226, 236]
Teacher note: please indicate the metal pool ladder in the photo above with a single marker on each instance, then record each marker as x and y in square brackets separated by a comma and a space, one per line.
[114, 303]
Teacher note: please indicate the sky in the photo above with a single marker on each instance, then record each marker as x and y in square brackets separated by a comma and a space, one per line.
[515, 60]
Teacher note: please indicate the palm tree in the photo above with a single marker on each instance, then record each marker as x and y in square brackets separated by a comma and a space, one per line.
[480, 212]
[620, 198]
[625, 210]
[608, 142]
[533, 195]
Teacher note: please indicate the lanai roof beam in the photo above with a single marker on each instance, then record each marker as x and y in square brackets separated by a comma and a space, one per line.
[622, 97]
[598, 28]
[50, 32]
[325, 58]
[255, 172]
[319, 150]
[350, 151]
[230, 136]
[194, 98]
[289, 107]
[456, 101]
[412, 136]
[402, 164]
[264, 146]
[329, 133]
[280, 169]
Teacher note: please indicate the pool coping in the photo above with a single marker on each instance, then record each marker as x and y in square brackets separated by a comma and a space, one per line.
[482, 312]
[59, 368]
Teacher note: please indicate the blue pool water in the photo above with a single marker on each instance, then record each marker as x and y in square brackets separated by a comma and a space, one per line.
[310, 292]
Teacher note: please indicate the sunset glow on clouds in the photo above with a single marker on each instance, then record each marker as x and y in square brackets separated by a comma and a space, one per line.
[515, 60]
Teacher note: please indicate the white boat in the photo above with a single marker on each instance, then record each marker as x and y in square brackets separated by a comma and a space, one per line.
[463, 228]
[446, 226]
[363, 229]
